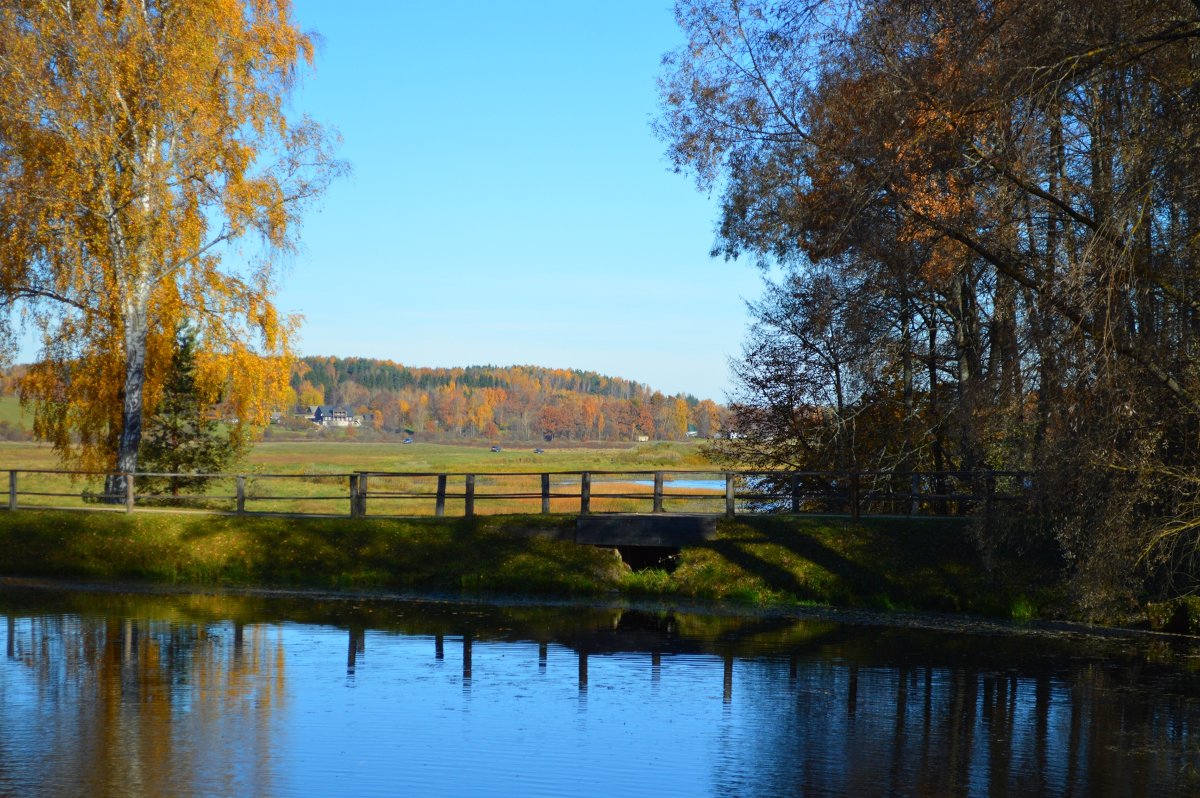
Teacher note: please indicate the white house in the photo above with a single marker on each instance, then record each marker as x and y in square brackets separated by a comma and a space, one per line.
[334, 416]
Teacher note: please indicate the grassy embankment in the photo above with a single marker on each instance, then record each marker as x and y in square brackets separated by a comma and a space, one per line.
[922, 564]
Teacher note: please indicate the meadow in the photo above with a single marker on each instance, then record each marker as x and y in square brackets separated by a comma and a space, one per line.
[314, 477]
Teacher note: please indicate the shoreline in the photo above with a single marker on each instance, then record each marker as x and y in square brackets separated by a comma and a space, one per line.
[881, 571]
[946, 623]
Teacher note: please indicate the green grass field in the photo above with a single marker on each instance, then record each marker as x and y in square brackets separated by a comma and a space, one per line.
[346, 456]
[473, 458]
[10, 411]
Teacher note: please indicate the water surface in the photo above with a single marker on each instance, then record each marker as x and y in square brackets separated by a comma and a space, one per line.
[715, 485]
[211, 695]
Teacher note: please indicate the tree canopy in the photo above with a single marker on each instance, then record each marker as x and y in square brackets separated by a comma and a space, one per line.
[986, 213]
[138, 142]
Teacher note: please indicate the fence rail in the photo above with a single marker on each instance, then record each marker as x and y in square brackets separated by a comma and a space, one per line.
[416, 493]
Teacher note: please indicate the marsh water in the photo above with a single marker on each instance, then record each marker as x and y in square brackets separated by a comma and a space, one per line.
[104, 693]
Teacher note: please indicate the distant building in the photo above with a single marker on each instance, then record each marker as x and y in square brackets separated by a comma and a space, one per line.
[334, 416]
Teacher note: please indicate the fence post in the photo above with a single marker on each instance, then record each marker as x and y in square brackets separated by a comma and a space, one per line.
[545, 494]
[241, 494]
[729, 503]
[585, 493]
[914, 493]
[855, 510]
[129, 496]
[795, 494]
[469, 499]
[354, 495]
[658, 491]
[12, 490]
[439, 507]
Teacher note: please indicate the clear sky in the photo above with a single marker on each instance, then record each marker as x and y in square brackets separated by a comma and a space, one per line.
[509, 202]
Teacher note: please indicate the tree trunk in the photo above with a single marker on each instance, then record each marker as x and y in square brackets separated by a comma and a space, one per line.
[935, 422]
[963, 307]
[136, 329]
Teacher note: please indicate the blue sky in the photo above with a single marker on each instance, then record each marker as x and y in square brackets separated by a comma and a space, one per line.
[509, 202]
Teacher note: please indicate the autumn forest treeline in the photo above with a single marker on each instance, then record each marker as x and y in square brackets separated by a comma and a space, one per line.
[503, 403]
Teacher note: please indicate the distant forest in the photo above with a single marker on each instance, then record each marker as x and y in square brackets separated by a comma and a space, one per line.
[511, 402]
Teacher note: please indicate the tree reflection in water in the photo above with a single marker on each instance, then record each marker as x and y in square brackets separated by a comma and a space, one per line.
[140, 706]
[839, 729]
[213, 695]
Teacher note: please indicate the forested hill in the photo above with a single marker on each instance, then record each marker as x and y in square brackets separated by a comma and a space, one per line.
[514, 402]
[327, 373]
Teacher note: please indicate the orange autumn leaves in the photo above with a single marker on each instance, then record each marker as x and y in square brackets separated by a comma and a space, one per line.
[512, 403]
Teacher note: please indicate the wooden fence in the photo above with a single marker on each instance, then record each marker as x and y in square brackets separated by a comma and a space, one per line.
[406, 494]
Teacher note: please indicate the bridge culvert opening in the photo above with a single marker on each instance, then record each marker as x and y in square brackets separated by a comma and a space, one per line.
[641, 558]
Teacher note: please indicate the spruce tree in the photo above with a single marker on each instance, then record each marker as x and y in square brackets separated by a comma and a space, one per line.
[183, 436]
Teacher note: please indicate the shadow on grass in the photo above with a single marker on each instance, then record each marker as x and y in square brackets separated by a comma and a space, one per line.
[475, 554]
[873, 563]
[847, 574]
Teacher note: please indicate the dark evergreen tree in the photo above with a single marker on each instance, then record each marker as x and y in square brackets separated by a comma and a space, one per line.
[183, 436]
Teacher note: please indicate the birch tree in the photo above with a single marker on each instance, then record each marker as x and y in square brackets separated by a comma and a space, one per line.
[139, 140]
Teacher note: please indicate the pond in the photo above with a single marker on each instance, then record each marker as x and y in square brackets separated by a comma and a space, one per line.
[105, 693]
[714, 485]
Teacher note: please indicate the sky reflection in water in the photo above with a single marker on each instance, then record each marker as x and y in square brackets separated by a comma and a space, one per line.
[106, 694]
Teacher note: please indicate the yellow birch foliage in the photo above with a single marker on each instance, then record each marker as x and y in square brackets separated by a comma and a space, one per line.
[138, 141]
